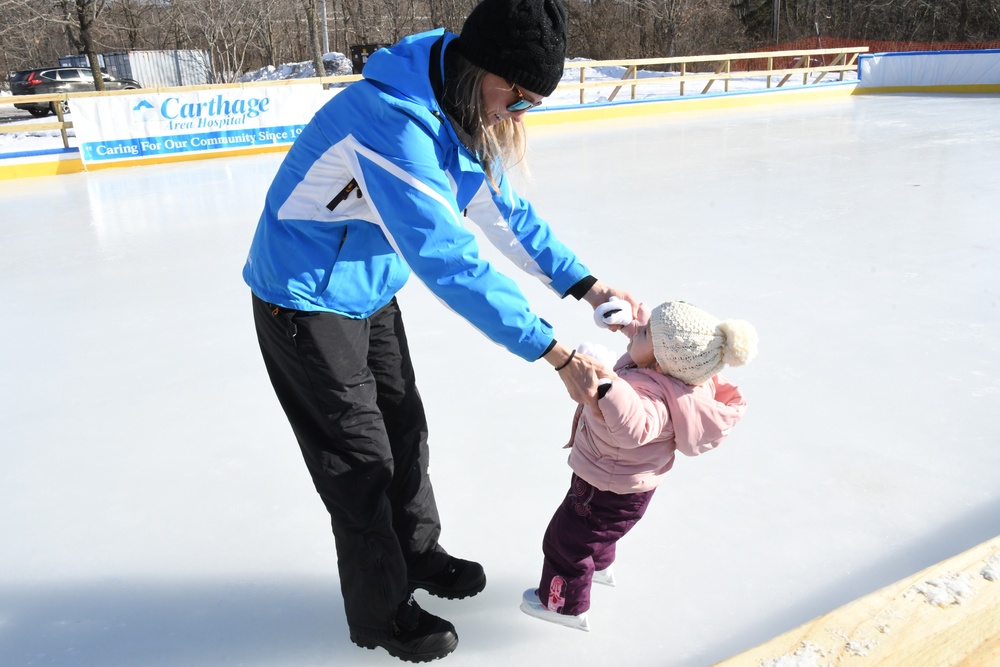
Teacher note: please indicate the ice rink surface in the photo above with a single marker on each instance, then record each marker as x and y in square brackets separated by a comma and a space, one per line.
[155, 511]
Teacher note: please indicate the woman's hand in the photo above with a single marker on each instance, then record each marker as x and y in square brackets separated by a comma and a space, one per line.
[578, 372]
[600, 293]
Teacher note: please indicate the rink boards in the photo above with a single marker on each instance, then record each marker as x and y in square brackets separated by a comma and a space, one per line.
[69, 161]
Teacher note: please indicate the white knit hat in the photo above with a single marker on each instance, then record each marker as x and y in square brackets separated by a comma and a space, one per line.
[692, 346]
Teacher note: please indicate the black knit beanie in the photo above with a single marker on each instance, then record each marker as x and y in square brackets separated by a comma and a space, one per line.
[522, 41]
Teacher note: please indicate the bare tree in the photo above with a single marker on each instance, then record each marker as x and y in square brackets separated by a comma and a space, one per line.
[86, 14]
[229, 28]
[607, 29]
[886, 20]
[24, 35]
[312, 24]
[398, 19]
[248, 34]
[448, 14]
[134, 24]
[48, 23]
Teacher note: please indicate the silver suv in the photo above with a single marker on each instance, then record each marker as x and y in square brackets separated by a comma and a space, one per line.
[49, 80]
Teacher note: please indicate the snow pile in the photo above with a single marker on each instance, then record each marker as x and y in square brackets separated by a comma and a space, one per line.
[335, 64]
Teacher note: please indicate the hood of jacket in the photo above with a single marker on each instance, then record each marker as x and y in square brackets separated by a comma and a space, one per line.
[703, 415]
[620, 453]
[700, 416]
[404, 71]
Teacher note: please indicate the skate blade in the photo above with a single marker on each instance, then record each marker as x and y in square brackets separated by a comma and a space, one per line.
[605, 577]
[532, 606]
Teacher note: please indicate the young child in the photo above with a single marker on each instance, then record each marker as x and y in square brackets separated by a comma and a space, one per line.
[664, 395]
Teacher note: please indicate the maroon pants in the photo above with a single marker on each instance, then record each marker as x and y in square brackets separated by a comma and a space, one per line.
[580, 539]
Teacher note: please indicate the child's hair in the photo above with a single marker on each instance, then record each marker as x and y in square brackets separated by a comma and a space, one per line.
[692, 346]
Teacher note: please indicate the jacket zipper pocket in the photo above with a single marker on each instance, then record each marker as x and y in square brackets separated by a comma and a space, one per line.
[342, 195]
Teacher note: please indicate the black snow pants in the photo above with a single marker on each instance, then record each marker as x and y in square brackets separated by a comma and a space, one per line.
[347, 387]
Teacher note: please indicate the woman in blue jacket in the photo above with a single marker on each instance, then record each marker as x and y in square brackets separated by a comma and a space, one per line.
[379, 185]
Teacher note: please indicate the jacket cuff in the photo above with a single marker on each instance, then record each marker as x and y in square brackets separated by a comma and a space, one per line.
[603, 387]
[580, 289]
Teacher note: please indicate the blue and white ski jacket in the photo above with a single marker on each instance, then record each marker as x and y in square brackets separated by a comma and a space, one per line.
[379, 184]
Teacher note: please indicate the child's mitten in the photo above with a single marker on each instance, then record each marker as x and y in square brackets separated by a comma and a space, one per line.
[615, 312]
[597, 351]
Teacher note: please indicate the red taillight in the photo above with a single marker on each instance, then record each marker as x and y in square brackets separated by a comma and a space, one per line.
[32, 80]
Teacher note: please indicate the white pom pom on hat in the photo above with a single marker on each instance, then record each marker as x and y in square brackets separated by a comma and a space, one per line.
[693, 346]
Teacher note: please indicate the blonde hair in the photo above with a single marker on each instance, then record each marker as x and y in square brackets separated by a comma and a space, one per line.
[498, 147]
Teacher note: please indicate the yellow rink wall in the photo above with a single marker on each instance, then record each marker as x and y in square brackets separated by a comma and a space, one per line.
[52, 163]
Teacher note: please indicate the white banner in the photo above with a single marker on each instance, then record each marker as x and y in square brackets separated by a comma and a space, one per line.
[930, 69]
[128, 127]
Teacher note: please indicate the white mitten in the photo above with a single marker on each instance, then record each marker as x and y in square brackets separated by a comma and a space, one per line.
[597, 351]
[615, 312]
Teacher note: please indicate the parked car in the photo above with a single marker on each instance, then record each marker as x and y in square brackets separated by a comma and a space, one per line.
[49, 80]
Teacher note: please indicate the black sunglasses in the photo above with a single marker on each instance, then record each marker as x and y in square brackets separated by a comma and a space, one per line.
[522, 104]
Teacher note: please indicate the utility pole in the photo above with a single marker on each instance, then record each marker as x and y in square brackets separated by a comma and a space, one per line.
[324, 32]
[775, 19]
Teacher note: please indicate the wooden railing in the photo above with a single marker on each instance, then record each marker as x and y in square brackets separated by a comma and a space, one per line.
[58, 102]
[771, 66]
[705, 71]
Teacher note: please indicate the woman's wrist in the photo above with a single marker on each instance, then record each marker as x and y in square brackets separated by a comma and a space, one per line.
[597, 294]
[559, 356]
[567, 362]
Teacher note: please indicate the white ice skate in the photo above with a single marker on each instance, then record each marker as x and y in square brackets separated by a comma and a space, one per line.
[605, 577]
[532, 606]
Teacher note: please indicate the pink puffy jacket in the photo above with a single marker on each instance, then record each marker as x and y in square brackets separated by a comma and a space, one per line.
[647, 417]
